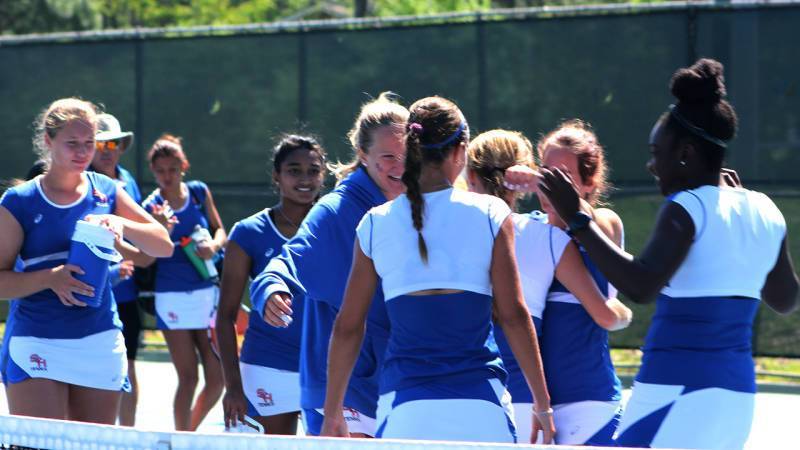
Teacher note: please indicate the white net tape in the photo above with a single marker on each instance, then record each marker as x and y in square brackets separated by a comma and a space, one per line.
[60, 435]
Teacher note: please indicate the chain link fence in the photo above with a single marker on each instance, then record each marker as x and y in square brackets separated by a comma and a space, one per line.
[228, 91]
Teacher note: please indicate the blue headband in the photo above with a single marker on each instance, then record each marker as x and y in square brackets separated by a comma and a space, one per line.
[447, 141]
[697, 131]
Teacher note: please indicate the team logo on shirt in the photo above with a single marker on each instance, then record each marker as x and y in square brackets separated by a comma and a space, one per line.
[266, 397]
[172, 317]
[41, 363]
[38, 218]
[269, 252]
[102, 199]
[351, 415]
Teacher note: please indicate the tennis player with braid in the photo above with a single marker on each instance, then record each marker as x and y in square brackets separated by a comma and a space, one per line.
[442, 378]
[716, 251]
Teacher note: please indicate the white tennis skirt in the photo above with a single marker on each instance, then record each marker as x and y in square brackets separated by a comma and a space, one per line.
[576, 422]
[672, 416]
[97, 361]
[189, 310]
[421, 413]
[270, 391]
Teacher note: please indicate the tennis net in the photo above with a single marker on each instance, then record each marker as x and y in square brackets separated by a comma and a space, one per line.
[30, 433]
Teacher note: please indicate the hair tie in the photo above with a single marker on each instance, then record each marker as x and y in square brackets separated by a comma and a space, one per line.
[694, 129]
[415, 128]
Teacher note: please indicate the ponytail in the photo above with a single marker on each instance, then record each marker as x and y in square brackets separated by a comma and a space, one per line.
[435, 127]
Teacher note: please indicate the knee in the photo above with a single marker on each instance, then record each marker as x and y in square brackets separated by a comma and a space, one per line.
[215, 385]
[189, 379]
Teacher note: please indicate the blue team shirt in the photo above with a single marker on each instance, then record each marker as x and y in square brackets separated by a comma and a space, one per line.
[176, 273]
[48, 229]
[315, 264]
[126, 291]
[265, 345]
[575, 351]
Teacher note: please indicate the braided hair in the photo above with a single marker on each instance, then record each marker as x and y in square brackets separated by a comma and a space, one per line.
[435, 127]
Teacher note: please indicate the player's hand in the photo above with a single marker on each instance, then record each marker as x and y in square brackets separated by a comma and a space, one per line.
[164, 215]
[65, 285]
[334, 426]
[108, 221]
[278, 310]
[205, 249]
[521, 178]
[559, 188]
[126, 269]
[729, 177]
[234, 406]
[543, 421]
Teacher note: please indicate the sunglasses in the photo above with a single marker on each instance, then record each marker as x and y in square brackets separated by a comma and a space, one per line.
[108, 146]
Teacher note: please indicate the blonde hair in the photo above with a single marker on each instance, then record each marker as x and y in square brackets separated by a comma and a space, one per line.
[55, 117]
[578, 137]
[492, 152]
[381, 112]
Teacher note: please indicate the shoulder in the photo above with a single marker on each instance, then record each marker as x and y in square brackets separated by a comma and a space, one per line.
[152, 199]
[484, 202]
[196, 184]
[126, 176]
[385, 209]
[124, 173]
[16, 198]
[25, 189]
[255, 223]
[102, 182]
[257, 226]
[197, 187]
[610, 223]
[338, 207]
[529, 227]
[531, 224]
[766, 207]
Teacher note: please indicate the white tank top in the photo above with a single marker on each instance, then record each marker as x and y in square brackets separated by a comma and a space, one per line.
[459, 229]
[738, 235]
[539, 247]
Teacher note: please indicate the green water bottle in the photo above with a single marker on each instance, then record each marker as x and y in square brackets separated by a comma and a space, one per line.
[189, 247]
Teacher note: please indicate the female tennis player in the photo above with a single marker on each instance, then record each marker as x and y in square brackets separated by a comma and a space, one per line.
[445, 260]
[546, 256]
[63, 359]
[315, 263]
[717, 250]
[265, 383]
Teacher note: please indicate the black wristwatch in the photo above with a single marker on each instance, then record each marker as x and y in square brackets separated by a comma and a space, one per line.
[579, 222]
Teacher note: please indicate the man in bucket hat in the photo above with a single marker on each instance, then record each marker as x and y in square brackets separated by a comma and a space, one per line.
[110, 143]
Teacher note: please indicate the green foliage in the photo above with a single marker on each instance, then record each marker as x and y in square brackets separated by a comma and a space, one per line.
[45, 16]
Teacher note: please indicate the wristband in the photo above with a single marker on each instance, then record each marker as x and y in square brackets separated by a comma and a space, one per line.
[542, 414]
[579, 222]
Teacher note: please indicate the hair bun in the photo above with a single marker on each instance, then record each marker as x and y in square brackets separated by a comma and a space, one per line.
[703, 82]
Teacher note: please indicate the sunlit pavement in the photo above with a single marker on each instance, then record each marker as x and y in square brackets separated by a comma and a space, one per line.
[775, 415]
